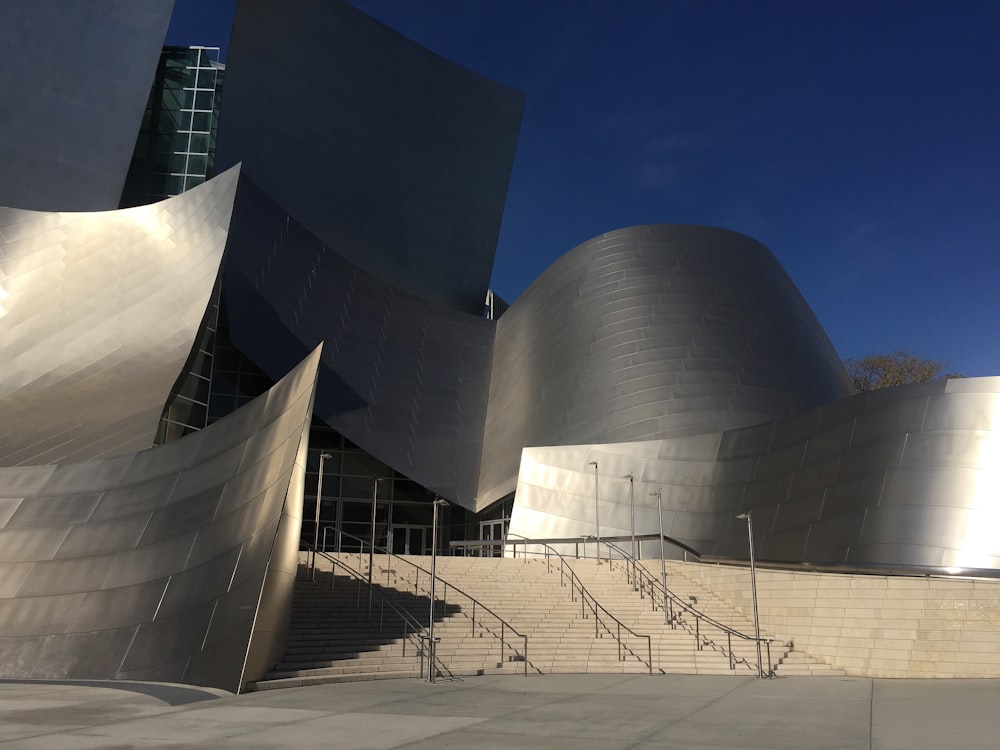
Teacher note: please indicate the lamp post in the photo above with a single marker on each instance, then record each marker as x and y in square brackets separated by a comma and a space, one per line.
[371, 546]
[753, 589]
[319, 501]
[663, 556]
[631, 503]
[431, 650]
[597, 512]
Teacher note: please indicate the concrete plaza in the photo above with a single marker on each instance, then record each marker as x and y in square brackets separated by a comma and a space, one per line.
[553, 711]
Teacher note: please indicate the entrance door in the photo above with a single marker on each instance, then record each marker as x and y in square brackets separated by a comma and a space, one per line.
[410, 540]
[492, 530]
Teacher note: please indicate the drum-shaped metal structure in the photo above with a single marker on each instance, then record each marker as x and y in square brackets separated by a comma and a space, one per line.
[651, 332]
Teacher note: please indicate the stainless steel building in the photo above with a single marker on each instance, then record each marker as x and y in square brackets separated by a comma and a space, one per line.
[364, 220]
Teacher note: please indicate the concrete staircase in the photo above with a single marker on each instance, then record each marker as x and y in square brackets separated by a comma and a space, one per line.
[787, 661]
[332, 640]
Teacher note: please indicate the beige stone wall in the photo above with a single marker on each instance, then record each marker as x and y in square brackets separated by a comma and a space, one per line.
[871, 626]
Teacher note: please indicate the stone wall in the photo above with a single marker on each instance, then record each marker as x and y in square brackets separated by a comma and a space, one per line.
[867, 625]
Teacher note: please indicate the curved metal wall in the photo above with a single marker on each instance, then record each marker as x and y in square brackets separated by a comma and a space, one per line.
[98, 313]
[393, 155]
[906, 476]
[150, 566]
[404, 378]
[75, 79]
[651, 332]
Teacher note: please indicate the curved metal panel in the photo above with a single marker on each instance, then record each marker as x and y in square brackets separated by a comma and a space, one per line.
[98, 313]
[824, 486]
[651, 332]
[75, 79]
[167, 588]
[393, 155]
[404, 378]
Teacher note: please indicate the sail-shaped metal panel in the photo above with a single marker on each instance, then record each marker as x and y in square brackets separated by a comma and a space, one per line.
[98, 313]
[166, 564]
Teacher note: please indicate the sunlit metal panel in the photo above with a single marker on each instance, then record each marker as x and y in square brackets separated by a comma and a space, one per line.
[98, 313]
[169, 588]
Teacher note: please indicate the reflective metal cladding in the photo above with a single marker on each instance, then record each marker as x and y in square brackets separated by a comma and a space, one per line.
[899, 477]
[98, 312]
[651, 332]
[172, 564]
[404, 377]
[388, 153]
[75, 79]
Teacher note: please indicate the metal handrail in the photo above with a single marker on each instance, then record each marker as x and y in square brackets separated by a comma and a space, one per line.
[476, 604]
[576, 583]
[646, 579]
[411, 626]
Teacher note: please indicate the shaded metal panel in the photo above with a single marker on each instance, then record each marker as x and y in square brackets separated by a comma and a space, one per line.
[75, 79]
[405, 379]
[165, 588]
[706, 318]
[98, 314]
[394, 156]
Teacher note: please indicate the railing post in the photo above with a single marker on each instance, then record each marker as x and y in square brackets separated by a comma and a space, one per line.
[770, 671]
[503, 631]
[620, 657]
[473, 618]
[697, 630]
[729, 640]
[649, 652]
[525, 655]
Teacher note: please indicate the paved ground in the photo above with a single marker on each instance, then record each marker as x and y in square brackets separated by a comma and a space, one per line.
[554, 711]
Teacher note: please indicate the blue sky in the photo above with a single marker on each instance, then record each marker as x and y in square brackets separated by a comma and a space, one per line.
[859, 141]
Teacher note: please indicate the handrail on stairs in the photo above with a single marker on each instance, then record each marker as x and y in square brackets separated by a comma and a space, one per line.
[411, 626]
[505, 626]
[586, 598]
[673, 606]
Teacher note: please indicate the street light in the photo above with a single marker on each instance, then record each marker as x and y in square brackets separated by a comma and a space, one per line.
[753, 589]
[319, 500]
[663, 556]
[431, 650]
[371, 546]
[597, 512]
[631, 502]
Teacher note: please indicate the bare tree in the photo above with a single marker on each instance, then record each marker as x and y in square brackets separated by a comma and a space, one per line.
[895, 368]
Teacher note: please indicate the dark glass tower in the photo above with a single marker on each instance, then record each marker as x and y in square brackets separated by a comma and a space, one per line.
[175, 149]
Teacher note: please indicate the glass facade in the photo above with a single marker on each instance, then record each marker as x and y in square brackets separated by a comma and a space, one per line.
[175, 149]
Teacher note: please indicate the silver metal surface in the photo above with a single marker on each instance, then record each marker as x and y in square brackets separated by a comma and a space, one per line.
[651, 332]
[173, 564]
[98, 313]
[404, 378]
[393, 156]
[913, 492]
[75, 78]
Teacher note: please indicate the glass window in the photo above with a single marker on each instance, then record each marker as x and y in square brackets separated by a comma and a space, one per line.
[177, 163]
[204, 100]
[199, 143]
[206, 78]
[202, 121]
[361, 464]
[197, 164]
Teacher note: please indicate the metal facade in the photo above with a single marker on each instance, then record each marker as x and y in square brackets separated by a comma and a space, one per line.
[392, 155]
[895, 478]
[98, 313]
[75, 78]
[152, 566]
[404, 378]
[651, 332]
